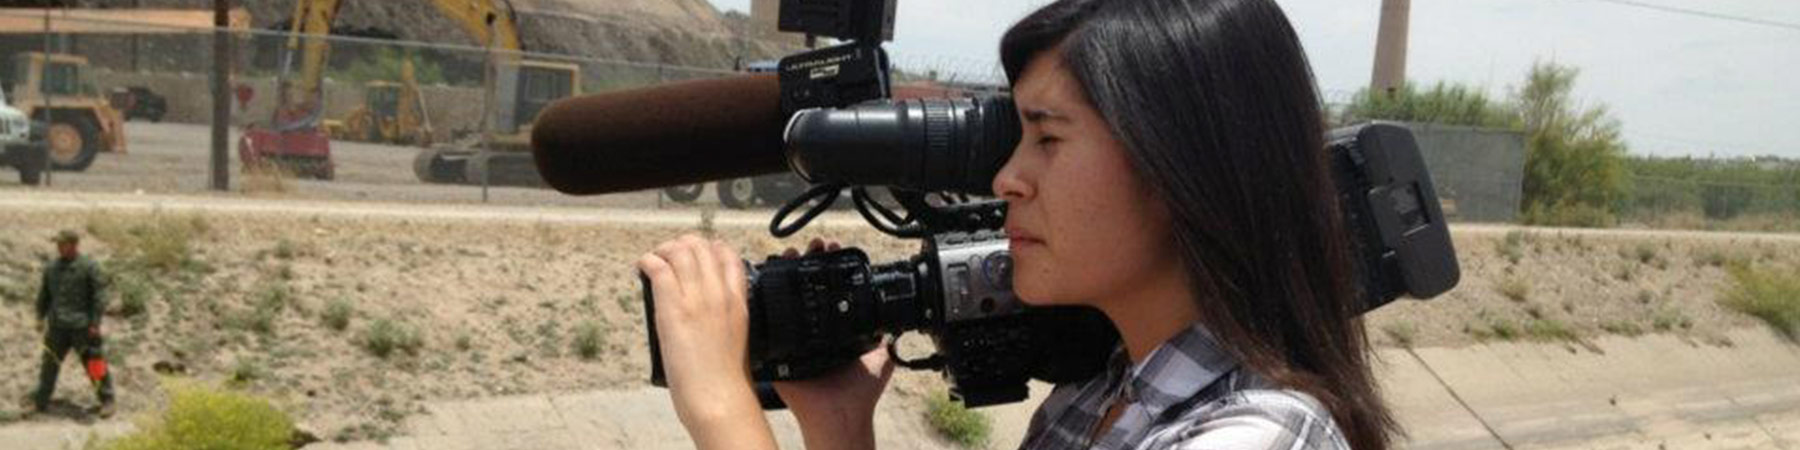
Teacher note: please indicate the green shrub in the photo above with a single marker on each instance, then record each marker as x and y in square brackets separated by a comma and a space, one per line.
[1622, 327]
[269, 304]
[384, 337]
[1494, 328]
[1625, 272]
[1712, 257]
[1574, 158]
[207, 418]
[1443, 103]
[1515, 289]
[464, 341]
[257, 320]
[1670, 319]
[1550, 330]
[386, 63]
[590, 339]
[159, 241]
[956, 422]
[134, 295]
[337, 314]
[247, 371]
[285, 249]
[1717, 190]
[13, 293]
[1768, 295]
[1512, 247]
[1644, 252]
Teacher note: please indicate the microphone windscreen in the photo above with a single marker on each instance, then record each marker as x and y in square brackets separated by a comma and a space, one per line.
[659, 136]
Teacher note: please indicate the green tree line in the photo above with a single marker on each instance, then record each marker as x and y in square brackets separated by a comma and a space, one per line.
[1577, 172]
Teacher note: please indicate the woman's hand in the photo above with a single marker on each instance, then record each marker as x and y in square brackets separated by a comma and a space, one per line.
[703, 325]
[837, 411]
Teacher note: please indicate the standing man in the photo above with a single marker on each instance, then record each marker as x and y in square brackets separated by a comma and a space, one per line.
[68, 311]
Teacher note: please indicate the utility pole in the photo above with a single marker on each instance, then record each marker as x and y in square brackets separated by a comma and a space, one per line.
[1390, 47]
[135, 44]
[221, 94]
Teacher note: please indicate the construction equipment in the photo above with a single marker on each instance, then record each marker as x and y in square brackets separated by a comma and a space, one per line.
[139, 102]
[21, 144]
[294, 139]
[502, 156]
[517, 90]
[392, 113]
[59, 90]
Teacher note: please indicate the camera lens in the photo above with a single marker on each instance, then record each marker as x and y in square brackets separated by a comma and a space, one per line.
[937, 144]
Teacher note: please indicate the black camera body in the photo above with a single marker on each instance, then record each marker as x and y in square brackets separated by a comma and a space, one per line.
[816, 313]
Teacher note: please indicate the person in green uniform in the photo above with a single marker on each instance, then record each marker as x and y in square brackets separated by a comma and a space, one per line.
[68, 312]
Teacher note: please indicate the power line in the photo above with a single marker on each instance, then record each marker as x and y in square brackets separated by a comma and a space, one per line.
[1707, 14]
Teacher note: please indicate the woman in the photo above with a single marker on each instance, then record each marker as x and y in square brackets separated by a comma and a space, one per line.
[1171, 173]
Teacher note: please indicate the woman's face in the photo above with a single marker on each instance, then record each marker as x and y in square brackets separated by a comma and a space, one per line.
[1083, 228]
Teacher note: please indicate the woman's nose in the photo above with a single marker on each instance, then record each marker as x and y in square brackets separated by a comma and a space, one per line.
[1009, 184]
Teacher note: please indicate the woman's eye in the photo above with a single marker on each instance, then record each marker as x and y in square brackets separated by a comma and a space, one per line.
[1047, 140]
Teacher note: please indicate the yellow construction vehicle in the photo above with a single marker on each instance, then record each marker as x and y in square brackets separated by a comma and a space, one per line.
[392, 113]
[502, 156]
[59, 90]
[518, 89]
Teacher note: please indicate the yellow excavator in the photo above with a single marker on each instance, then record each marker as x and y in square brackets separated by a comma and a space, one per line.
[518, 89]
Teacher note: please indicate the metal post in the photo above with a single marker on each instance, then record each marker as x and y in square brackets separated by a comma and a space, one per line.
[221, 95]
[44, 93]
[489, 73]
[135, 4]
[1390, 47]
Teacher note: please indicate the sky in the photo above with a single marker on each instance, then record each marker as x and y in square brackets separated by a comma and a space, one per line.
[1679, 84]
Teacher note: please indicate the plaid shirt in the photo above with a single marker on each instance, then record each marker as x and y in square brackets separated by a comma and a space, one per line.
[1188, 394]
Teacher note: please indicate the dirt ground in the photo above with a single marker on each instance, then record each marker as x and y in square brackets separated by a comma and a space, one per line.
[499, 298]
[497, 303]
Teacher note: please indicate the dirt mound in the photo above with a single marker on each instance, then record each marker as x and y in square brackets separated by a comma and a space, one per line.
[678, 32]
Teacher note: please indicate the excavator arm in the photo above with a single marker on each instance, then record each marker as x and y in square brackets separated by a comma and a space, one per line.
[300, 104]
[490, 22]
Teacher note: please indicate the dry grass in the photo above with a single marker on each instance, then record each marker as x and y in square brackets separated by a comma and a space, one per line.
[159, 241]
[1516, 289]
[266, 178]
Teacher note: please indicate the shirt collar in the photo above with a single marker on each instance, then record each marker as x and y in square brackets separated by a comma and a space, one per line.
[1176, 370]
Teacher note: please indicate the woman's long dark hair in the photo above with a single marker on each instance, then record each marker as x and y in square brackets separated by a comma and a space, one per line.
[1217, 106]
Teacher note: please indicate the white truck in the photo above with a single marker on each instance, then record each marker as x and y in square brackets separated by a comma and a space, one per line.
[20, 147]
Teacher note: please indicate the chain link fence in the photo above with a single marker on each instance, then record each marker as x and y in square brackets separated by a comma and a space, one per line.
[128, 106]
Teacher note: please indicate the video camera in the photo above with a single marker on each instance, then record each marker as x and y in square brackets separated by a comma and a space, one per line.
[938, 156]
